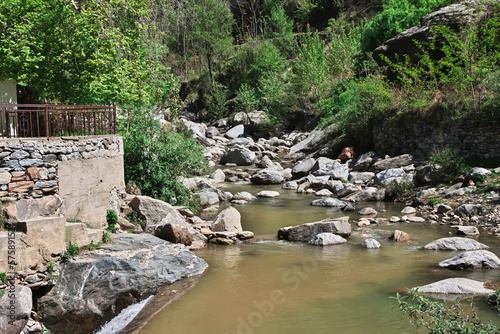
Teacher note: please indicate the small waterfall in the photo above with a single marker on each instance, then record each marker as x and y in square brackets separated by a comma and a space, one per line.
[118, 323]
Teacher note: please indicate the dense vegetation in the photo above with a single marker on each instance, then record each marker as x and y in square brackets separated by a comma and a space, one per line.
[281, 56]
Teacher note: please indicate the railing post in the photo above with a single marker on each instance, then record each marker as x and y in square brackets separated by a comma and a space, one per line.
[114, 117]
[46, 118]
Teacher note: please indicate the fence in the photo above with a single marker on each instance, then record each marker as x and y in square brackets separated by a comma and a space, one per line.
[52, 120]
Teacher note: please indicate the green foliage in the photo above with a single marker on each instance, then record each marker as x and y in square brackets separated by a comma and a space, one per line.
[95, 53]
[442, 317]
[72, 250]
[217, 104]
[155, 158]
[135, 219]
[395, 17]
[355, 103]
[3, 277]
[93, 245]
[344, 47]
[51, 268]
[403, 191]
[279, 28]
[452, 164]
[111, 219]
[105, 238]
[436, 201]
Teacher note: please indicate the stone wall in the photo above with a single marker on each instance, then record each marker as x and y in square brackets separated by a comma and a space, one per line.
[473, 137]
[82, 170]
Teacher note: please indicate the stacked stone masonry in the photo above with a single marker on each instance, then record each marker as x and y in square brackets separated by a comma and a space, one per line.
[471, 136]
[29, 167]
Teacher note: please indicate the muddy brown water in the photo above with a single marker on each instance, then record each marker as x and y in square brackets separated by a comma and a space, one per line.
[269, 286]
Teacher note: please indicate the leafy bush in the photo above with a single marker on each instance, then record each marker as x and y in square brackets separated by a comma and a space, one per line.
[452, 164]
[3, 277]
[111, 219]
[106, 238]
[442, 317]
[155, 158]
[436, 201]
[135, 219]
[396, 16]
[72, 250]
[403, 191]
[279, 28]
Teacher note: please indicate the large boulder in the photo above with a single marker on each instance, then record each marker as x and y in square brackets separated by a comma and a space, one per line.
[15, 309]
[238, 155]
[390, 177]
[456, 286]
[479, 259]
[323, 166]
[455, 243]
[96, 286]
[361, 177]
[392, 163]
[313, 141]
[370, 194]
[303, 168]
[267, 176]
[429, 174]
[326, 239]
[235, 132]
[305, 232]
[330, 202]
[153, 211]
[364, 161]
[467, 210]
[228, 220]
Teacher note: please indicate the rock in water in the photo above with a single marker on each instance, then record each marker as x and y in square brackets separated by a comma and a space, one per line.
[399, 236]
[329, 201]
[94, 287]
[20, 305]
[456, 286]
[325, 239]
[455, 243]
[267, 176]
[228, 220]
[305, 232]
[371, 243]
[479, 259]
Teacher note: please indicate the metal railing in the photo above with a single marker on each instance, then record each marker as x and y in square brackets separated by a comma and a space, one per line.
[52, 120]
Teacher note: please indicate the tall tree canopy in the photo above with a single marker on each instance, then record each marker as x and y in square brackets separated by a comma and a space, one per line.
[90, 51]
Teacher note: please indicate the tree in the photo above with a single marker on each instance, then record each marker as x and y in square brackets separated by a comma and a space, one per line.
[82, 52]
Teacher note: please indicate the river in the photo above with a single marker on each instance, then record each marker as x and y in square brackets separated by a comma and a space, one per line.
[269, 286]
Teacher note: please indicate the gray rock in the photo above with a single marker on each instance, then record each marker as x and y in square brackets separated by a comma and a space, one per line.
[267, 176]
[303, 168]
[393, 163]
[241, 141]
[443, 208]
[325, 239]
[347, 190]
[390, 177]
[305, 232]
[363, 177]
[31, 162]
[368, 211]
[371, 243]
[409, 210]
[329, 201]
[153, 211]
[467, 210]
[235, 132]
[349, 207]
[340, 172]
[467, 230]
[311, 143]
[478, 173]
[228, 220]
[459, 192]
[455, 243]
[219, 176]
[240, 156]
[16, 311]
[426, 192]
[479, 259]
[430, 174]
[324, 165]
[415, 219]
[211, 132]
[94, 287]
[370, 194]
[199, 130]
[268, 194]
[456, 286]
[364, 161]
[244, 195]
[290, 185]
[19, 155]
[323, 192]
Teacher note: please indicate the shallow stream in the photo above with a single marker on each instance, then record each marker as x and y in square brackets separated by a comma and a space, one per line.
[269, 286]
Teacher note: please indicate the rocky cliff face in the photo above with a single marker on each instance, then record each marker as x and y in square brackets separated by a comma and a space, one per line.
[95, 287]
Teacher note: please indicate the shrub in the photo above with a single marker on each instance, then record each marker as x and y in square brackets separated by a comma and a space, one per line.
[155, 158]
[443, 317]
[451, 163]
[112, 219]
[3, 277]
[436, 201]
[72, 250]
[135, 219]
[403, 191]
[106, 238]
